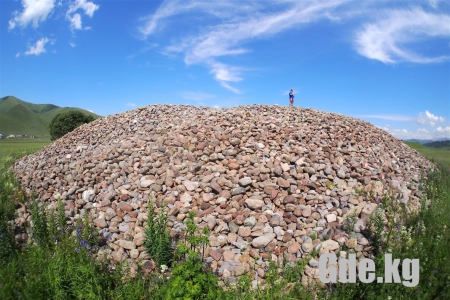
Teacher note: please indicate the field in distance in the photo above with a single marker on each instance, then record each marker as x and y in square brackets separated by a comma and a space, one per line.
[439, 154]
[23, 145]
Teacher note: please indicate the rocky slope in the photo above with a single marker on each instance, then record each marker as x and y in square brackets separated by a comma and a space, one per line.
[262, 178]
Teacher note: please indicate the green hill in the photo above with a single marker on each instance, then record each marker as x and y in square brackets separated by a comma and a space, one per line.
[438, 144]
[20, 117]
[49, 115]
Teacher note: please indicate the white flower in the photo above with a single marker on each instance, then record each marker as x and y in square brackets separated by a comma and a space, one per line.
[164, 268]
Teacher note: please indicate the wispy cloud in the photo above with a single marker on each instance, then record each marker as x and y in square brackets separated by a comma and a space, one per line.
[236, 25]
[37, 48]
[196, 96]
[228, 29]
[143, 50]
[428, 119]
[389, 37]
[34, 11]
[130, 104]
[400, 118]
[422, 134]
[434, 3]
[75, 18]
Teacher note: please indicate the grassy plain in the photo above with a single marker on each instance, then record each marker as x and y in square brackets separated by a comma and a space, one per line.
[23, 145]
[441, 155]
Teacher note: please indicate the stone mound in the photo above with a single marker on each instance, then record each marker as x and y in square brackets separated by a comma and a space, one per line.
[262, 178]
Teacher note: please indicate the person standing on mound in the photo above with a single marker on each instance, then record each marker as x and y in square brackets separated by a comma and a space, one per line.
[291, 98]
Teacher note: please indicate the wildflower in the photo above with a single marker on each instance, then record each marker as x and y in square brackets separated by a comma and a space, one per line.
[83, 242]
[78, 231]
[163, 268]
[78, 249]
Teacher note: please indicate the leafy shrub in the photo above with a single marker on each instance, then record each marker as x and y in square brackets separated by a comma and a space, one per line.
[190, 279]
[157, 238]
[64, 123]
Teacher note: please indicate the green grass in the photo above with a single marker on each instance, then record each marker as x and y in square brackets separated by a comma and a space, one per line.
[424, 235]
[59, 265]
[22, 145]
[441, 155]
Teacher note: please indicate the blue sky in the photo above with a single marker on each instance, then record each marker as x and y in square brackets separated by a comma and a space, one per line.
[386, 62]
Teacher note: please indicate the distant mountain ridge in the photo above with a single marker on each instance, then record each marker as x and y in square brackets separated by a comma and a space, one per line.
[21, 117]
[423, 142]
[438, 144]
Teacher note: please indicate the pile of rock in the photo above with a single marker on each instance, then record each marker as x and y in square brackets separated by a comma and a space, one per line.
[266, 180]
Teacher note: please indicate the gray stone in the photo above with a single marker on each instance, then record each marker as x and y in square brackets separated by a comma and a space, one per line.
[237, 191]
[254, 203]
[263, 240]
[245, 181]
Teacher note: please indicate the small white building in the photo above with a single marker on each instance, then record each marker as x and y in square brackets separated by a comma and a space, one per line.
[11, 136]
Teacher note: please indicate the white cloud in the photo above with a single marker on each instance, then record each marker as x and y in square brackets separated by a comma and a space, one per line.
[88, 7]
[429, 119]
[38, 48]
[75, 18]
[443, 132]
[384, 128]
[434, 3]
[72, 44]
[422, 134]
[75, 21]
[387, 117]
[130, 104]
[17, 54]
[237, 24]
[387, 38]
[34, 11]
